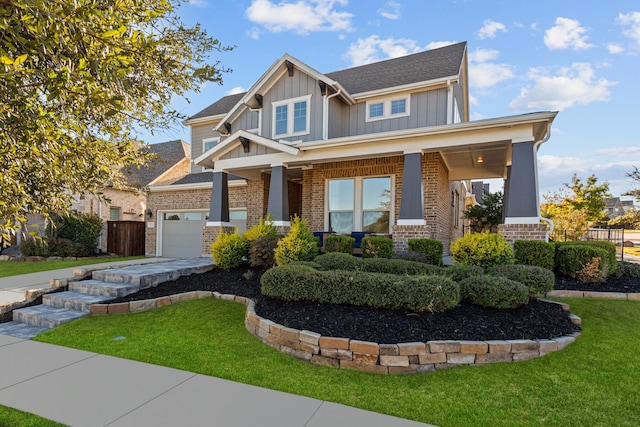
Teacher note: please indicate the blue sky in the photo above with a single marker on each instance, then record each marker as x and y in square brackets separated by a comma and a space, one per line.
[580, 58]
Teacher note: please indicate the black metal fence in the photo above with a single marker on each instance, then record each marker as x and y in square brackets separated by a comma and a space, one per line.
[613, 235]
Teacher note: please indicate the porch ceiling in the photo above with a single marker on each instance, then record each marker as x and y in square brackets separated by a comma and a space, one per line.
[483, 161]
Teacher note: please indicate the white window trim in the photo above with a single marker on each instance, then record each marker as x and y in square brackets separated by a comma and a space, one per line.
[387, 107]
[358, 211]
[290, 113]
[204, 143]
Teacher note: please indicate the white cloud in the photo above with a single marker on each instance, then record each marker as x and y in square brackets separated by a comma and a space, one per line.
[566, 34]
[632, 21]
[373, 49]
[574, 85]
[234, 90]
[436, 45]
[199, 3]
[490, 28]
[254, 33]
[615, 48]
[618, 151]
[484, 74]
[392, 10]
[302, 16]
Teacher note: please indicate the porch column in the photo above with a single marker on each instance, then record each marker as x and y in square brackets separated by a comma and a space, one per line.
[219, 207]
[412, 201]
[521, 204]
[278, 205]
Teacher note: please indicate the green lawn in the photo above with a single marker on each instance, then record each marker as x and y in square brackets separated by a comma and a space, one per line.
[13, 418]
[13, 268]
[591, 382]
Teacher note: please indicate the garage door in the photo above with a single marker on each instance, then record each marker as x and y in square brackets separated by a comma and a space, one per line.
[182, 231]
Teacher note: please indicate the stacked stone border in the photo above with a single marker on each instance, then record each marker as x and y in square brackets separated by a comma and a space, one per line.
[594, 294]
[365, 356]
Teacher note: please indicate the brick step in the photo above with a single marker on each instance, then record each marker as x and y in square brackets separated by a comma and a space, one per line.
[102, 288]
[44, 316]
[151, 275]
[20, 330]
[73, 300]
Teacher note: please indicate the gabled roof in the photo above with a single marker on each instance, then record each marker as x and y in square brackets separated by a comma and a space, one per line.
[419, 67]
[430, 65]
[168, 155]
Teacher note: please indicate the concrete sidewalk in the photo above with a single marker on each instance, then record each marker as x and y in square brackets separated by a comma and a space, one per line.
[80, 388]
[12, 288]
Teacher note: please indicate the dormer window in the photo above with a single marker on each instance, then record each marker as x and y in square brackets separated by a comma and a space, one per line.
[291, 117]
[389, 108]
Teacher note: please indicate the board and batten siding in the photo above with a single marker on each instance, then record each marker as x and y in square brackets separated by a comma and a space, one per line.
[198, 134]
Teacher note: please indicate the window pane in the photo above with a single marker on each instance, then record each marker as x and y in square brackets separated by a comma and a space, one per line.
[237, 215]
[300, 116]
[193, 216]
[171, 216]
[281, 120]
[375, 222]
[114, 214]
[341, 195]
[341, 222]
[376, 193]
[376, 110]
[398, 106]
[209, 144]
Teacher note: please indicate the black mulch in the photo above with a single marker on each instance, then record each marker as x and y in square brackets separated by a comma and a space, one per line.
[612, 284]
[536, 320]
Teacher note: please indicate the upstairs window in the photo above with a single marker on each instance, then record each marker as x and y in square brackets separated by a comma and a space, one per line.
[387, 108]
[209, 143]
[291, 117]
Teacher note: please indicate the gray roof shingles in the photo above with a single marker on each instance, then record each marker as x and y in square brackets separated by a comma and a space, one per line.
[418, 67]
[168, 155]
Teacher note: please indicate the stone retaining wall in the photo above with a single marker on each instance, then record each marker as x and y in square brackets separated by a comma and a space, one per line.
[365, 356]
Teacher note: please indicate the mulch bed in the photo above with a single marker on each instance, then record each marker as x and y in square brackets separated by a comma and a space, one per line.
[613, 284]
[536, 320]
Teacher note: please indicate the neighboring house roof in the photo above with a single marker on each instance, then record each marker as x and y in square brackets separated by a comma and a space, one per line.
[442, 63]
[168, 154]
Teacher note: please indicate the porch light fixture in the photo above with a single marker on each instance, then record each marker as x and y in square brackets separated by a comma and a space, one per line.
[149, 213]
[480, 159]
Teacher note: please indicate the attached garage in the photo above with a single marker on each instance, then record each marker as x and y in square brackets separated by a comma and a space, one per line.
[181, 231]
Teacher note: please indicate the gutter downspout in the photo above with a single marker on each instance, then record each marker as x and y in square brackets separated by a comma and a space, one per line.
[537, 146]
[325, 115]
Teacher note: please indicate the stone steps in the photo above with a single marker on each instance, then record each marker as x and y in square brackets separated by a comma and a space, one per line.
[61, 307]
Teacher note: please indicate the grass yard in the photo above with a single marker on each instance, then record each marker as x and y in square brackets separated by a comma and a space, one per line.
[591, 382]
[14, 268]
[14, 418]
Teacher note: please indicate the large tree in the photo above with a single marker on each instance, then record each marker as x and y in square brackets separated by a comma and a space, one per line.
[77, 79]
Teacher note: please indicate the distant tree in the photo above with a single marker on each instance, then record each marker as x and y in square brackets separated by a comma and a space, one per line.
[487, 215]
[576, 206]
[629, 221]
[635, 175]
[77, 79]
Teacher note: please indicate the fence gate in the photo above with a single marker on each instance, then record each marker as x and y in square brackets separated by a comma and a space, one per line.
[125, 238]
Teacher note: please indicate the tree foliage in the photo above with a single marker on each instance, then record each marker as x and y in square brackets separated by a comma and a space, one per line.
[576, 206]
[77, 79]
[487, 215]
[635, 175]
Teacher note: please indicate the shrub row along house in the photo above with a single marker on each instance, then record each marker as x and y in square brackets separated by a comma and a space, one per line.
[383, 148]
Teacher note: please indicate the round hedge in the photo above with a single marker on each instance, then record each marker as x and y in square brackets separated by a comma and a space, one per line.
[539, 280]
[494, 291]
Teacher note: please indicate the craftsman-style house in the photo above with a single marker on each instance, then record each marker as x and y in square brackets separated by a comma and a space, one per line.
[384, 148]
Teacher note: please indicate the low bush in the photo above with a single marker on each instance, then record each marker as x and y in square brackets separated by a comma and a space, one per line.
[66, 248]
[535, 252]
[298, 245]
[397, 266]
[339, 243]
[261, 251]
[482, 249]
[376, 247]
[431, 248]
[577, 261]
[412, 256]
[416, 293]
[628, 269]
[229, 250]
[459, 272]
[311, 264]
[610, 261]
[337, 261]
[264, 228]
[538, 280]
[34, 247]
[81, 228]
[494, 292]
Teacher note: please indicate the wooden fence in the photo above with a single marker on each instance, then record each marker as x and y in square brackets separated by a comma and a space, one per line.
[125, 238]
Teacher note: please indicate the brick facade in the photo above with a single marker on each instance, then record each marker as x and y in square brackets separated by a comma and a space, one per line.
[513, 232]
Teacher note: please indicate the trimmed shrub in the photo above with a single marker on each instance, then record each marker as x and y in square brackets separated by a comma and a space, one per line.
[261, 251]
[494, 292]
[298, 245]
[610, 260]
[376, 247]
[535, 252]
[571, 260]
[338, 261]
[412, 256]
[432, 248]
[311, 264]
[228, 250]
[397, 266]
[339, 243]
[628, 269]
[263, 229]
[34, 247]
[65, 248]
[538, 280]
[459, 272]
[416, 293]
[81, 228]
[482, 249]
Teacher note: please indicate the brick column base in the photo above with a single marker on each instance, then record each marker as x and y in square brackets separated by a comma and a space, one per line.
[210, 234]
[402, 233]
[513, 232]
